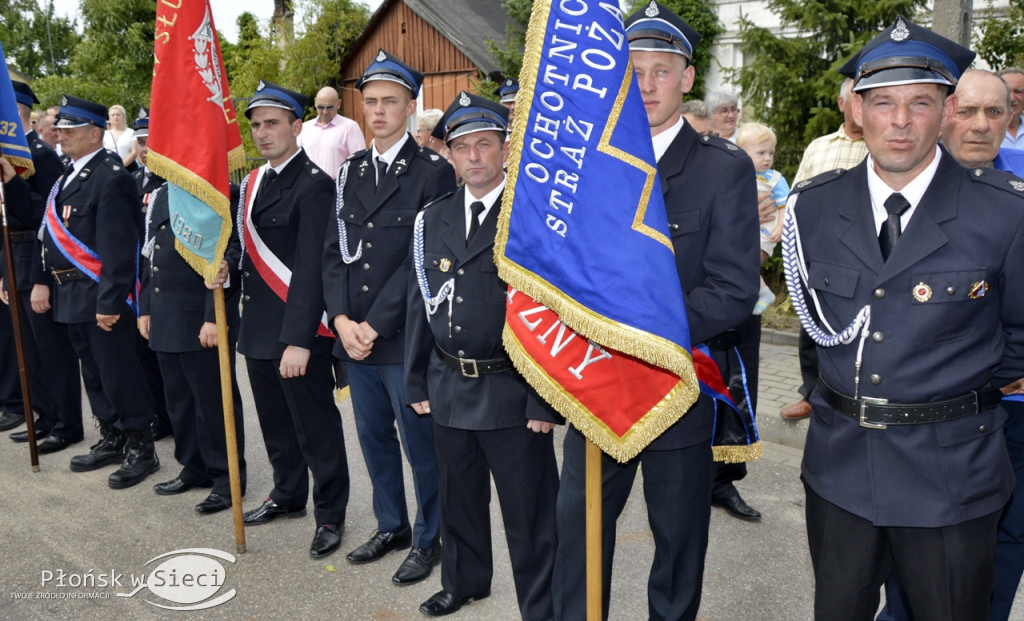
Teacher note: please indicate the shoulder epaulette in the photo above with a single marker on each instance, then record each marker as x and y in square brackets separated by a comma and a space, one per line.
[818, 180]
[430, 155]
[312, 169]
[437, 200]
[999, 179]
[721, 143]
[357, 155]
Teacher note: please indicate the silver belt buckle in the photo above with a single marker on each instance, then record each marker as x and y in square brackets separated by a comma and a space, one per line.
[468, 363]
[864, 422]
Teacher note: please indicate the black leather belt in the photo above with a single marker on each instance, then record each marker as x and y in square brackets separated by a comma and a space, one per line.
[471, 367]
[63, 277]
[23, 237]
[877, 413]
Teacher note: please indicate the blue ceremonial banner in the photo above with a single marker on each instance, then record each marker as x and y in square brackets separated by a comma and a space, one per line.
[13, 144]
[583, 232]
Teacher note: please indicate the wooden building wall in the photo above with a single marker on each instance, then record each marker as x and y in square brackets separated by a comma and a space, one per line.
[407, 36]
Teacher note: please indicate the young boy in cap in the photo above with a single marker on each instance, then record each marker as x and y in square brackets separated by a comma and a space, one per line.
[906, 463]
[488, 422]
[284, 205]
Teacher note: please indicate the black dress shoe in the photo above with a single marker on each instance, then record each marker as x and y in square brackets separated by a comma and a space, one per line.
[22, 436]
[417, 566]
[213, 503]
[174, 486]
[326, 541]
[140, 460]
[444, 603]
[10, 421]
[53, 444]
[270, 511]
[380, 544]
[736, 507]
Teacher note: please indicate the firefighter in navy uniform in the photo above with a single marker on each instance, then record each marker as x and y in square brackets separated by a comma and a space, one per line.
[287, 347]
[180, 325]
[52, 363]
[88, 274]
[488, 422]
[906, 463]
[147, 182]
[365, 283]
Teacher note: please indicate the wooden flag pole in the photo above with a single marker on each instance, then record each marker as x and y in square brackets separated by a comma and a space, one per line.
[228, 401]
[594, 548]
[19, 345]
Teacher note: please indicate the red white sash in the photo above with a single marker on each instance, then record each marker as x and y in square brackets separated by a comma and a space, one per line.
[273, 272]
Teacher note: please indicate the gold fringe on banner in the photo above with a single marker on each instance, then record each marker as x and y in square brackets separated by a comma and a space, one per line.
[203, 190]
[656, 421]
[736, 454]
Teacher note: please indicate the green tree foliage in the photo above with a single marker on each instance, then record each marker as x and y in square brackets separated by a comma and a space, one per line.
[328, 31]
[1001, 43]
[791, 82]
[36, 41]
[113, 63]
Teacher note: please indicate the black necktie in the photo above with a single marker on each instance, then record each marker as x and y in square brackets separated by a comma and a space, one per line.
[476, 208]
[896, 205]
[382, 169]
[265, 183]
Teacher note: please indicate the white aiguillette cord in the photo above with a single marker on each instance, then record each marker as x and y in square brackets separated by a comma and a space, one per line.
[797, 281]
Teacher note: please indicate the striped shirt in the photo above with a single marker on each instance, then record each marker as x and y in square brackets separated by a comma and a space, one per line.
[829, 152]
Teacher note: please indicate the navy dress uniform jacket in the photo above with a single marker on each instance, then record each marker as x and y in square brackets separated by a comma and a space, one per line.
[499, 400]
[26, 202]
[967, 229]
[373, 288]
[174, 295]
[105, 214]
[711, 201]
[290, 216]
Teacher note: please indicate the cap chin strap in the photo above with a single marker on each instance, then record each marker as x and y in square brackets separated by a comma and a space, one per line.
[797, 282]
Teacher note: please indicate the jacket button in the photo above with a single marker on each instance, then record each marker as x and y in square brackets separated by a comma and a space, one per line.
[674, 226]
[458, 299]
[157, 246]
[156, 290]
[368, 245]
[982, 429]
[458, 329]
[369, 225]
[398, 219]
[156, 269]
[246, 298]
[879, 293]
[366, 266]
[878, 337]
[951, 290]
[461, 272]
[351, 216]
[245, 274]
[365, 288]
[826, 282]
[163, 226]
[461, 353]
[274, 220]
[876, 378]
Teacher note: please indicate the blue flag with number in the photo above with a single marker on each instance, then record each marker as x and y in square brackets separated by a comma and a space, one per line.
[13, 144]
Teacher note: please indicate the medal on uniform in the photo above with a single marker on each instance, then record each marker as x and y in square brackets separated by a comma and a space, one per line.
[446, 265]
[922, 292]
[67, 214]
[978, 290]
